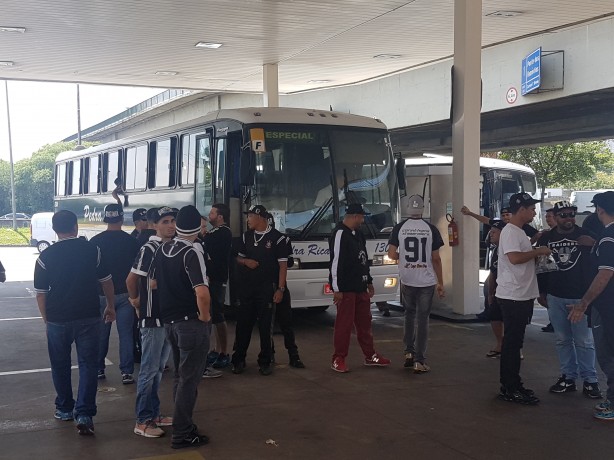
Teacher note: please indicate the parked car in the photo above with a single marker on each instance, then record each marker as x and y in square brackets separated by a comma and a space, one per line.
[18, 215]
[41, 232]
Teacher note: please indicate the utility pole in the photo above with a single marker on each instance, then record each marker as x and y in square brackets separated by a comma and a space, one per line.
[8, 121]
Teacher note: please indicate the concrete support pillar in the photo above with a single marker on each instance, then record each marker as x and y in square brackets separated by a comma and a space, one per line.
[270, 85]
[466, 100]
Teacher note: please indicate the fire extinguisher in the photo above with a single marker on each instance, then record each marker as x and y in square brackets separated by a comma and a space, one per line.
[452, 231]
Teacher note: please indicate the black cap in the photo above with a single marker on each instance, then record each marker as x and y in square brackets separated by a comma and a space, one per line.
[113, 213]
[559, 205]
[355, 208]
[188, 221]
[605, 201]
[139, 214]
[549, 210]
[498, 224]
[505, 210]
[151, 214]
[518, 200]
[163, 212]
[258, 209]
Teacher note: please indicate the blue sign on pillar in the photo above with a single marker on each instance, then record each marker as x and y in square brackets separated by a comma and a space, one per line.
[531, 72]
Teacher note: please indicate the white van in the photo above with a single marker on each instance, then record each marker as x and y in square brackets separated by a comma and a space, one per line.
[41, 231]
[583, 200]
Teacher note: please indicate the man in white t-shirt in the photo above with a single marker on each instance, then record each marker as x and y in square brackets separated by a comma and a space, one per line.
[415, 244]
[516, 293]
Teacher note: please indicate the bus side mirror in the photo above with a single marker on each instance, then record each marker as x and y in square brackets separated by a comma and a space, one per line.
[399, 166]
[247, 169]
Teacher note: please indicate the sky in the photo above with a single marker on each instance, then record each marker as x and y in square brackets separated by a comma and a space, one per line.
[44, 113]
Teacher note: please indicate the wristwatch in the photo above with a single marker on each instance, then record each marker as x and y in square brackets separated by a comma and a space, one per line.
[282, 289]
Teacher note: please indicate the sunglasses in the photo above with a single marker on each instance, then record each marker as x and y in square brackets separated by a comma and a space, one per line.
[565, 215]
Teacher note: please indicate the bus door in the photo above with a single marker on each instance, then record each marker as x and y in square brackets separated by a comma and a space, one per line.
[200, 146]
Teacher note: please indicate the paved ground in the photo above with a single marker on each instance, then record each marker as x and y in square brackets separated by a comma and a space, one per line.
[315, 413]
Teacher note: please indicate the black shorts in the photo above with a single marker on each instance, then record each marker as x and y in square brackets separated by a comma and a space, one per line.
[218, 295]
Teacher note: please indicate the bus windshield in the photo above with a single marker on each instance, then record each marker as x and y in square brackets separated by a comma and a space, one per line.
[304, 174]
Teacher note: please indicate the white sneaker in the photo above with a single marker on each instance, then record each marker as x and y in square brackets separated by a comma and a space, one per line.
[148, 429]
[420, 368]
[211, 373]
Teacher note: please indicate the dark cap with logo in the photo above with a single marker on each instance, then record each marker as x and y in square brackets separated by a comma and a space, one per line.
[605, 201]
[163, 212]
[258, 210]
[498, 224]
[519, 200]
[559, 205]
[505, 211]
[355, 208]
[113, 213]
[139, 214]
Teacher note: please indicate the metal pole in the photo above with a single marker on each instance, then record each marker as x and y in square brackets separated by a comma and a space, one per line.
[8, 121]
[78, 117]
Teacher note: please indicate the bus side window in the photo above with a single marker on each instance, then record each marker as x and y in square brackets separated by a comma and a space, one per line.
[220, 170]
[75, 177]
[60, 179]
[188, 149]
[162, 158]
[111, 170]
[92, 174]
[136, 167]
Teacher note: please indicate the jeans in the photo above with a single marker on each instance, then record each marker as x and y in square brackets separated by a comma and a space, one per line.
[354, 310]
[574, 341]
[60, 337]
[124, 318]
[254, 309]
[603, 331]
[417, 302]
[516, 315]
[190, 343]
[155, 352]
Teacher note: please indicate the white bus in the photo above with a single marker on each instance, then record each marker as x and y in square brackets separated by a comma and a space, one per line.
[302, 165]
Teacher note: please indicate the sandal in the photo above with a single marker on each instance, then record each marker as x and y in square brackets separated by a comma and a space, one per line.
[493, 354]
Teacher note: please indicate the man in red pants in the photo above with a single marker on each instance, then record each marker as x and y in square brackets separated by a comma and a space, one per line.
[353, 288]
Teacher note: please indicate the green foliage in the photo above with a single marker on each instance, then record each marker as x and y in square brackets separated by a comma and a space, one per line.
[577, 166]
[10, 237]
[34, 178]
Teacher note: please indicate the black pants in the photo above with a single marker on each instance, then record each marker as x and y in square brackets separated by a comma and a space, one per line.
[257, 307]
[516, 315]
[190, 342]
[283, 315]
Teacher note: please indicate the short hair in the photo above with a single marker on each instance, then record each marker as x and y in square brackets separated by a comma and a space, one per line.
[223, 210]
[64, 221]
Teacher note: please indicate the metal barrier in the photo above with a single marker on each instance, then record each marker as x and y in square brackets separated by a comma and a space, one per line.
[8, 223]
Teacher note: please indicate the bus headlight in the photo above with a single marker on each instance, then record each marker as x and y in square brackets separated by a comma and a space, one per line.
[383, 259]
[296, 265]
[390, 282]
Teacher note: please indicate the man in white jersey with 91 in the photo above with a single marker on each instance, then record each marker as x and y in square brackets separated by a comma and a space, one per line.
[415, 244]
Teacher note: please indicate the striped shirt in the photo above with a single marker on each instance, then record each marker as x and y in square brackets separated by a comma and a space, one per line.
[149, 309]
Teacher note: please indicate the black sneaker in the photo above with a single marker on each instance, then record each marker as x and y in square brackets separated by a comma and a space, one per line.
[127, 379]
[409, 360]
[85, 425]
[519, 397]
[191, 440]
[591, 390]
[238, 368]
[563, 385]
[297, 363]
[266, 369]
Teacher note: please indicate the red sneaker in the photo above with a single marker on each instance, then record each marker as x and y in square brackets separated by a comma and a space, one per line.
[338, 365]
[377, 360]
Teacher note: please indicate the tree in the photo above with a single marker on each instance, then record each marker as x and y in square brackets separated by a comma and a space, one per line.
[577, 165]
[34, 179]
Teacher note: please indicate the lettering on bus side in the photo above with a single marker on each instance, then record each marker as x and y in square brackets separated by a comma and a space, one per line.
[92, 216]
[312, 249]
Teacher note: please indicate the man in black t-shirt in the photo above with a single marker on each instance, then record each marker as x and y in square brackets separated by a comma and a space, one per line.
[262, 260]
[119, 250]
[180, 276]
[490, 287]
[66, 277]
[150, 230]
[217, 244]
[139, 218]
[570, 247]
[601, 294]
